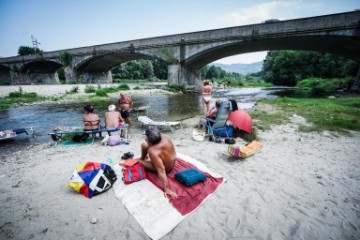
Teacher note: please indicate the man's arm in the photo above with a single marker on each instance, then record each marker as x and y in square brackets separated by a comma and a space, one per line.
[160, 169]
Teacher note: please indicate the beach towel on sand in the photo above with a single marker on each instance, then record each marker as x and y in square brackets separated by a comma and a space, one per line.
[156, 214]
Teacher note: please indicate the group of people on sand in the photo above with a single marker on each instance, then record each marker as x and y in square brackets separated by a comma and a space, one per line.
[113, 118]
[157, 151]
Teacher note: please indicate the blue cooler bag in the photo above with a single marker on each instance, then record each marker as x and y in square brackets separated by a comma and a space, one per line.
[190, 177]
[221, 132]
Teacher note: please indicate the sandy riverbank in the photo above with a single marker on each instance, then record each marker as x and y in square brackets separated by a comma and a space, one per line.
[299, 186]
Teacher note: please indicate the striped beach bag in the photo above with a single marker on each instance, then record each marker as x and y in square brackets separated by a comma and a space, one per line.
[245, 151]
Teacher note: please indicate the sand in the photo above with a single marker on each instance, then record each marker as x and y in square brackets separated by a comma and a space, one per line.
[299, 186]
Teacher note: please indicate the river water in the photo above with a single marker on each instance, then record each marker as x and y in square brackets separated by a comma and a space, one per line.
[44, 117]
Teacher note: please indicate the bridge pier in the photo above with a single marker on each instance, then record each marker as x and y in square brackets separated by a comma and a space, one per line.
[98, 77]
[71, 74]
[180, 75]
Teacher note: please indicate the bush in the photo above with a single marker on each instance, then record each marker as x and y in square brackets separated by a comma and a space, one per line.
[176, 88]
[322, 85]
[74, 89]
[101, 92]
[90, 89]
[137, 88]
[123, 87]
[15, 94]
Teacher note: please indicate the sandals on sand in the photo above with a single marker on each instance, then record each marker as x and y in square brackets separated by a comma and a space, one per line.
[127, 155]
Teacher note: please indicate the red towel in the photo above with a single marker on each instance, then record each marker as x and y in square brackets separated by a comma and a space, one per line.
[189, 197]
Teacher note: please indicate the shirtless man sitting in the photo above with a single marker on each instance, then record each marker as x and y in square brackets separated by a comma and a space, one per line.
[113, 118]
[161, 152]
[125, 105]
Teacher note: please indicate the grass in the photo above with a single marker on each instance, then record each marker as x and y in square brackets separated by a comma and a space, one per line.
[337, 115]
[20, 98]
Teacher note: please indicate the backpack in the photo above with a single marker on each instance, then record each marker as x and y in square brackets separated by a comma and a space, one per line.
[134, 173]
[245, 151]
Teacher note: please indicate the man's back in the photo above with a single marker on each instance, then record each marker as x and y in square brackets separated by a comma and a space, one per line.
[112, 119]
[165, 150]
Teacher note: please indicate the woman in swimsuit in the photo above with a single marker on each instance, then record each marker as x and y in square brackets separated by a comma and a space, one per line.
[206, 97]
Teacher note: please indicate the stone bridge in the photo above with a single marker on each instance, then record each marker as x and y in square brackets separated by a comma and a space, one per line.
[187, 53]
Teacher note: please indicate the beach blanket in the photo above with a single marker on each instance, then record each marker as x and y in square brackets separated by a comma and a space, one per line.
[156, 214]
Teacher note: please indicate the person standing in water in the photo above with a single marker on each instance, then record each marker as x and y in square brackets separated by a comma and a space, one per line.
[206, 97]
[125, 105]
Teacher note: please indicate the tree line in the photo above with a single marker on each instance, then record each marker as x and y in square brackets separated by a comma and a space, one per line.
[287, 68]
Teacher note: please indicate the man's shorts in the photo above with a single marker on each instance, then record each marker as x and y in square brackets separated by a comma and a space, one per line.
[125, 113]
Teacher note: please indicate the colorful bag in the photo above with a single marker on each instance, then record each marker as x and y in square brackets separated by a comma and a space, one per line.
[134, 173]
[246, 151]
[92, 178]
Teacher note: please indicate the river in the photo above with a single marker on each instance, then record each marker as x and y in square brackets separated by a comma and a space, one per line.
[44, 117]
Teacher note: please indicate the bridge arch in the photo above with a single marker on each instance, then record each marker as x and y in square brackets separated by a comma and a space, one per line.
[105, 62]
[324, 44]
[40, 66]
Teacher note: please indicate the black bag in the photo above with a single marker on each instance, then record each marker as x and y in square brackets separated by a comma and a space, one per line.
[230, 141]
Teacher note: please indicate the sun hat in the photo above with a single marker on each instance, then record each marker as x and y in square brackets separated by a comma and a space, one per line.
[112, 107]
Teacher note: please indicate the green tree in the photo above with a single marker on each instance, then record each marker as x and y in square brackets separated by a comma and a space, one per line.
[65, 58]
[25, 50]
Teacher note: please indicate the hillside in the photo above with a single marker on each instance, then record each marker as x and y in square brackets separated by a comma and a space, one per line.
[241, 67]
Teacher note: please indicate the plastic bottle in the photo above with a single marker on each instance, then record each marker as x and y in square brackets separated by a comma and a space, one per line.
[110, 161]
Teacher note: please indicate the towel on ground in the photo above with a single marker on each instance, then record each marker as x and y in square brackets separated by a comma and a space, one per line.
[189, 197]
[156, 214]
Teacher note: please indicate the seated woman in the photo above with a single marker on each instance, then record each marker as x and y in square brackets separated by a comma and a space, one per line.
[211, 114]
[91, 120]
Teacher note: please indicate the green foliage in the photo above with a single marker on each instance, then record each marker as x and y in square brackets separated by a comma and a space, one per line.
[137, 88]
[101, 92]
[169, 54]
[89, 89]
[176, 88]
[321, 86]
[25, 50]
[19, 97]
[123, 87]
[289, 67]
[65, 58]
[337, 115]
[61, 73]
[136, 69]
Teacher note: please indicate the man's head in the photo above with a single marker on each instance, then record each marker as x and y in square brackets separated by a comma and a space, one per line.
[88, 108]
[111, 107]
[206, 83]
[153, 135]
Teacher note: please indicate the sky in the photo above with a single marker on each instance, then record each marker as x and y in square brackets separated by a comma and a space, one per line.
[64, 24]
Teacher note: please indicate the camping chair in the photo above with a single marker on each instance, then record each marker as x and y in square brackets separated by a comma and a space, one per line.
[218, 124]
[57, 136]
[146, 121]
